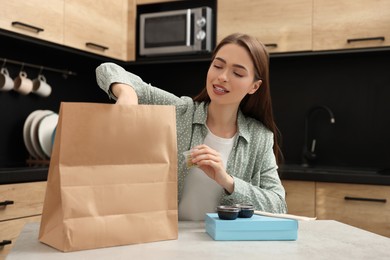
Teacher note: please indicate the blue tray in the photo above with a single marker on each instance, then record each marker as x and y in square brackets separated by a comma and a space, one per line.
[254, 228]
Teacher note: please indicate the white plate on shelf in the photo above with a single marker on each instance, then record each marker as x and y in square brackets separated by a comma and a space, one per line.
[45, 132]
[34, 133]
[26, 133]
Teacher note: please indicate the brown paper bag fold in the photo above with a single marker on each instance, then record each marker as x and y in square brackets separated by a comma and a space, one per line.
[112, 177]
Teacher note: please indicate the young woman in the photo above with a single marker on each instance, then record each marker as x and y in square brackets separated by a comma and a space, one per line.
[228, 127]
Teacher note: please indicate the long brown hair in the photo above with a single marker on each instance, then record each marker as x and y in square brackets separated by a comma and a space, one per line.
[259, 104]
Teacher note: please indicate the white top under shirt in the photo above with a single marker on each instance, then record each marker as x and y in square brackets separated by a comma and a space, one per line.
[201, 194]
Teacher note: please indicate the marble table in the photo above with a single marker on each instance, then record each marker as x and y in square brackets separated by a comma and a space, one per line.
[320, 239]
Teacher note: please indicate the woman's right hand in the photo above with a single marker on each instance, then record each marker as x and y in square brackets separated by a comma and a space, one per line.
[125, 94]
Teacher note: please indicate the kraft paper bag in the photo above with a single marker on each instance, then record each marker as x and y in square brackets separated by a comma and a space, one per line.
[112, 177]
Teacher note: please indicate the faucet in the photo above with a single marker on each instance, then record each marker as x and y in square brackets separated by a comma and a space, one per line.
[309, 155]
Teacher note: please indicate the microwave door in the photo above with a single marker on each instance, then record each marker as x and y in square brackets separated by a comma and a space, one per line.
[167, 32]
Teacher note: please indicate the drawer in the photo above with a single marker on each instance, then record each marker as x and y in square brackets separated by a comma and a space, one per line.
[363, 206]
[27, 200]
[300, 197]
[10, 230]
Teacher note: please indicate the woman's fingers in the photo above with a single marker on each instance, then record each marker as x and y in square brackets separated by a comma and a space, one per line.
[203, 152]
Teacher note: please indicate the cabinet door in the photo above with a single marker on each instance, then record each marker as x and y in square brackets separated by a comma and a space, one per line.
[300, 197]
[363, 206]
[282, 25]
[36, 18]
[348, 24]
[97, 26]
[153, 1]
[27, 200]
[10, 230]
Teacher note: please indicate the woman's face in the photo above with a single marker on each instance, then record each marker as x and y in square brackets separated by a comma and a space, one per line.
[231, 76]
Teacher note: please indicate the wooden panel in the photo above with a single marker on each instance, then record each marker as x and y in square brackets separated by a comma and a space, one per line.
[10, 230]
[153, 1]
[300, 197]
[374, 215]
[131, 30]
[102, 23]
[285, 23]
[27, 197]
[47, 15]
[335, 21]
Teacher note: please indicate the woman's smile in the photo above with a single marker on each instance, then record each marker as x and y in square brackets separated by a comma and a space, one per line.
[219, 90]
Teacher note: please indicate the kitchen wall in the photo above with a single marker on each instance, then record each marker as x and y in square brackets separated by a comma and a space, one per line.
[356, 86]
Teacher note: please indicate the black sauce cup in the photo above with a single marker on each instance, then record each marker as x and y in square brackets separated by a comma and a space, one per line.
[228, 212]
[246, 210]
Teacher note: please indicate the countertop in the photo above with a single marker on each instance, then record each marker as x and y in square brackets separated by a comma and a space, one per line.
[335, 174]
[23, 174]
[319, 239]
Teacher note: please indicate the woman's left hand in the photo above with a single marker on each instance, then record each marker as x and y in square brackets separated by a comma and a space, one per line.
[210, 162]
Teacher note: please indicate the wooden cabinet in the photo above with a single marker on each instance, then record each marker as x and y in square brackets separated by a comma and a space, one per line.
[153, 1]
[283, 26]
[300, 197]
[360, 205]
[348, 24]
[100, 27]
[363, 206]
[19, 204]
[305, 25]
[10, 231]
[35, 18]
[97, 26]
[108, 27]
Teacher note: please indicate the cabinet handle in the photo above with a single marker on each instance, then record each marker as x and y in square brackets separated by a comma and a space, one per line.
[271, 45]
[365, 199]
[6, 202]
[24, 25]
[96, 46]
[380, 38]
[5, 242]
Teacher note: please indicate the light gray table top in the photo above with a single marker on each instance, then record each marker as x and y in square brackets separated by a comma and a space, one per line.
[320, 239]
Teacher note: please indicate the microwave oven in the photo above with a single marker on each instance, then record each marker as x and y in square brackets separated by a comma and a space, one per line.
[185, 31]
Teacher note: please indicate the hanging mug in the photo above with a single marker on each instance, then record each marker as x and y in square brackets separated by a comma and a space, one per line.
[6, 83]
[40, 86]
[22, 84]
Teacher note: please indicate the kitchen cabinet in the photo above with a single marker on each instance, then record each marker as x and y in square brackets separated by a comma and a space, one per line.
[99, 27]
[131, 30]
[10, 231]
[349, 24]
[300, 197]
[283, 26]
[363, 206]
[360, 205]
[139, 2]
[35, 18]
[19, 204]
